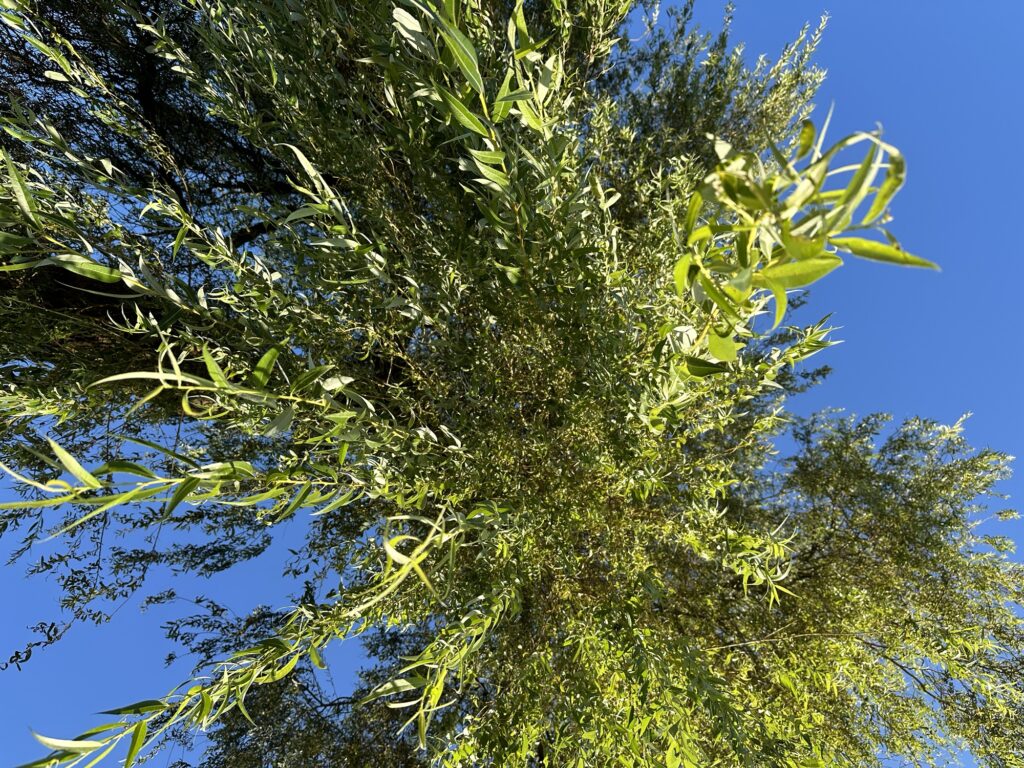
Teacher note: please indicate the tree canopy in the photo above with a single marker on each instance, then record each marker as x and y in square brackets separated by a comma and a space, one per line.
[493, 295]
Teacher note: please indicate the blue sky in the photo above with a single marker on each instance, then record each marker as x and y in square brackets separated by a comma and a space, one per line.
[944, 83]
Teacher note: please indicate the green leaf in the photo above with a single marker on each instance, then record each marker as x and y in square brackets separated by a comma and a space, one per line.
[794, 274]
[492, 174]
[22, 194]
[85, 267]
[514, 97]
[138, 739]
[215, 371]
[491, 157]
[806, 141]
[304, 162]
[720, 299]
[261, 373]
[800, 247]
[126, 467]
[12, 241]
[681, 274]
[501, 107]
[138, 708]
[409, 28]
[161, 449]
[531, 117]
[464, 52]
[461, 112]
[282, 671]
[398, 685]
[316, 658]
[108, 502]
[779, 294]
[697, 366]
[693, 209]
[77, 746]
[700, 234]
[71, 465]
[722, 347]
[185, 487]
[306, 378]
[281, 423]
[894, 179]
[167, 377]
[872, 249]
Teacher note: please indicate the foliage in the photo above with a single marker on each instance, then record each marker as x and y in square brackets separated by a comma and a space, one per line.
[501, 337]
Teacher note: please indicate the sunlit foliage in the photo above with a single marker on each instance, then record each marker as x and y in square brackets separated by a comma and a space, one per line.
[485, 293]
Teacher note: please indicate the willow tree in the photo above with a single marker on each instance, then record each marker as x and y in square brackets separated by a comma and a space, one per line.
[470, 288]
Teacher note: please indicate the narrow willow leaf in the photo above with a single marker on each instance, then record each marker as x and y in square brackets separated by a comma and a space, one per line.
[794, 274]
[138, 708]
[462, 113]
[205, 707]
[304, 162]
[20, 265]
[261, 373]
[68, 745]
[779, 294]
[877, 251]
[307, 378]
[182, 492]
[171, 378]
[101, 756]
[215, 371]
[161, 449]
[693, 209]
[38, 503]
[86, 267]
[700, 234]
[491, 157]
[493, 175]
[501, 107]
[120, 466]
[12, 241]
[71, 465]
[316, 658]
[526, 50]
[281, 423]
[398, 685]
[22, 194]
[531, 117]
[240, 703]
[107, 503]
[283, 671]
[806, 140]
[720, 299]
[894, 179]
[410, 29]
[697, 366]
[138, 739]
[514, 97]
[464, 52]
[681, 274]
[800, 247]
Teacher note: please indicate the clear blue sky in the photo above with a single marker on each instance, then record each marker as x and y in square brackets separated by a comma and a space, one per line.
[944, 82]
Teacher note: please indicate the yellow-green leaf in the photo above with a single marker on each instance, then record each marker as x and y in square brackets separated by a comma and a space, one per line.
[795, 274]
[877, 251]
[71, 465]
[462, 113]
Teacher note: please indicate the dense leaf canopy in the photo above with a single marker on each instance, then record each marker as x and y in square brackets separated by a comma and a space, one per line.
[492, 295]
